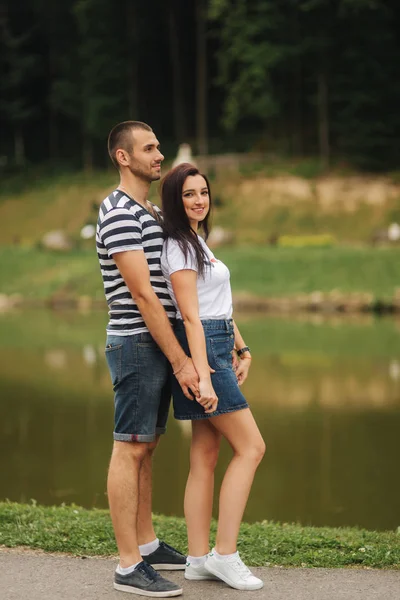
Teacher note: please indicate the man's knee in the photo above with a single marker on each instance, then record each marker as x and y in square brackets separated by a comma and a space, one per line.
[137, 451]
[153, 445]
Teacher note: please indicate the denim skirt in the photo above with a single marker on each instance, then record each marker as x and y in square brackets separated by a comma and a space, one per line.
[219, 337]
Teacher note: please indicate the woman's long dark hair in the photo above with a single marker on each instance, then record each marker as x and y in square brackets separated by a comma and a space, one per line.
[176, 223]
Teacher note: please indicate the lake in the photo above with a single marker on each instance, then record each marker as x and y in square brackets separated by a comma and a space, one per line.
[325, 393]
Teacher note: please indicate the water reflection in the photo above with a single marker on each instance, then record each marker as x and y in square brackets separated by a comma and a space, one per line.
[326, 396]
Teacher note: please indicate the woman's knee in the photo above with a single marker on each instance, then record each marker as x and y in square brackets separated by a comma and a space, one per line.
[204, 458]
[261, 449]
[254, 451]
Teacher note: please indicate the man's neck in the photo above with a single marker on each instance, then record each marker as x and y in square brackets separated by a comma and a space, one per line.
[136, 188]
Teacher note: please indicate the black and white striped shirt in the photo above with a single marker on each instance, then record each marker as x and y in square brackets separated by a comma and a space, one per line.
[124, 225]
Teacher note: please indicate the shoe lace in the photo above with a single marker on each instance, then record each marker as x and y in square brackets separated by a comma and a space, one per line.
[240, 567]
[148, 572]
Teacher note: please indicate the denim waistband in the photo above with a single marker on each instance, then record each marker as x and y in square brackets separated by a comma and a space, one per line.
[144, 336]
[223, 324]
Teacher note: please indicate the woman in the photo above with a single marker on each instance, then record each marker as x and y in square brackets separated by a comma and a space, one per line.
[200, 289]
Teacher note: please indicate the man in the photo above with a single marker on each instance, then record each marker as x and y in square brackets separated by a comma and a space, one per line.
[141, 349]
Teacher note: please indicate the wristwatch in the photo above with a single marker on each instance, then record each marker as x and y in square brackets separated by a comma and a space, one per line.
[242, 351]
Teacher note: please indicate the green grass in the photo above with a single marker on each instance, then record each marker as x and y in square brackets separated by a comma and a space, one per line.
[264, 271]
[89, 532]
[290, 271]
[39, 274]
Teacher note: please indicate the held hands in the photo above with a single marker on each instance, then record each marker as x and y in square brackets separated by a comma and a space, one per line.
[207, 398]
[188, 379]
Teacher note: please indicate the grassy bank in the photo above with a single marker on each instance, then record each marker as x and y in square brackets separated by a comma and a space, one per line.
[256, 202]
[263, 271]
[89, 532]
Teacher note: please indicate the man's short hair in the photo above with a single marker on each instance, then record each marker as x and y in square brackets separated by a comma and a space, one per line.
[121, 137]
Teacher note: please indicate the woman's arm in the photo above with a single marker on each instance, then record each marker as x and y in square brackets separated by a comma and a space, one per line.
[184, 284]
[242, 369]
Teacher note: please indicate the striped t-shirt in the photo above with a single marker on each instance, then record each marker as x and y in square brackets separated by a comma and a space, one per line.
[124, 225]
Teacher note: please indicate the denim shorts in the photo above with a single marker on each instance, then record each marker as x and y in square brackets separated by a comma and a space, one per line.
[141, 377]
[219, 337]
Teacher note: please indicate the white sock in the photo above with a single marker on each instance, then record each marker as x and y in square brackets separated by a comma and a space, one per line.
[197, 561]
[126, 570]
[225, 556]
[146, 549]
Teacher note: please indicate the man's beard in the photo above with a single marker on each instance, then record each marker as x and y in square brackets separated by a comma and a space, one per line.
[140, 172]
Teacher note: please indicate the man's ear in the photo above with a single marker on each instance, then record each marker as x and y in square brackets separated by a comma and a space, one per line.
[122, 157]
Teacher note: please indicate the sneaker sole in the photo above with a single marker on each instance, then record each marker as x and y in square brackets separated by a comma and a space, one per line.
[209, 577]
[168, 567]
[132, 590]
[236, 586]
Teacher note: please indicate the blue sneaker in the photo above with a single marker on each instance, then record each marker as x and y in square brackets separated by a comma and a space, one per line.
[145, 581]
[166, 558]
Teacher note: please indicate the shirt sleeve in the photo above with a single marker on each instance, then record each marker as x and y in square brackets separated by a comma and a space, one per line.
[121, 231]
[175, 259]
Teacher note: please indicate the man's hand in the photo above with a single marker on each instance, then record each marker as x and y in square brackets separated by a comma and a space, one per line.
[188, 380]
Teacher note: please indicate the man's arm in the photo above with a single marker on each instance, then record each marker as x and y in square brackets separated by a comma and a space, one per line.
[135, 271]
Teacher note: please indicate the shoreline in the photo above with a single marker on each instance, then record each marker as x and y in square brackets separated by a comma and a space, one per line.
[325, 303]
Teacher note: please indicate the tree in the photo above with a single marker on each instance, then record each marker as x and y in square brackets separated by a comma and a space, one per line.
[366, 91]
[87, 89]
[249, 51]
[201, 78]
[176, 53]
[19, 69]
[320, 22]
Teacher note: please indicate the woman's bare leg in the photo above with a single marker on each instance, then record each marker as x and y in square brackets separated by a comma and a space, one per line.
[200, 485]
[242, 433]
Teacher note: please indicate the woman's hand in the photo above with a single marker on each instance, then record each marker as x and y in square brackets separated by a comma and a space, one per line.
[235, 360]
[207, 398]
[242, 370]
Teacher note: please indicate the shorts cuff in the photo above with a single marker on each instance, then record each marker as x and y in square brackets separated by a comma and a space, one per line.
[134, 437]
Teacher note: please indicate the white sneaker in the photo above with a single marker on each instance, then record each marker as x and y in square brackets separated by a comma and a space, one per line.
[234, 572]
[197, 573]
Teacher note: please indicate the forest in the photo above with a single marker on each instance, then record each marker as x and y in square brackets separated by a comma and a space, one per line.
[294, 78]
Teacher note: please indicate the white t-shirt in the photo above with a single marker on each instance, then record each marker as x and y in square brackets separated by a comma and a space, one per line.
[213, 291]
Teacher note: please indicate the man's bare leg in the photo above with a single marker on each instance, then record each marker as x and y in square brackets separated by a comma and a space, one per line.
[145, 528]
[123, 497]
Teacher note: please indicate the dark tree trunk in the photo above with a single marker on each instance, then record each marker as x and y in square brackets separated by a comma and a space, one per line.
[132, 63]
[180, 130]
[201, 87]
[54, 145]
[296, 87]
[19, 146]
[323, 118]
[87, 152]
